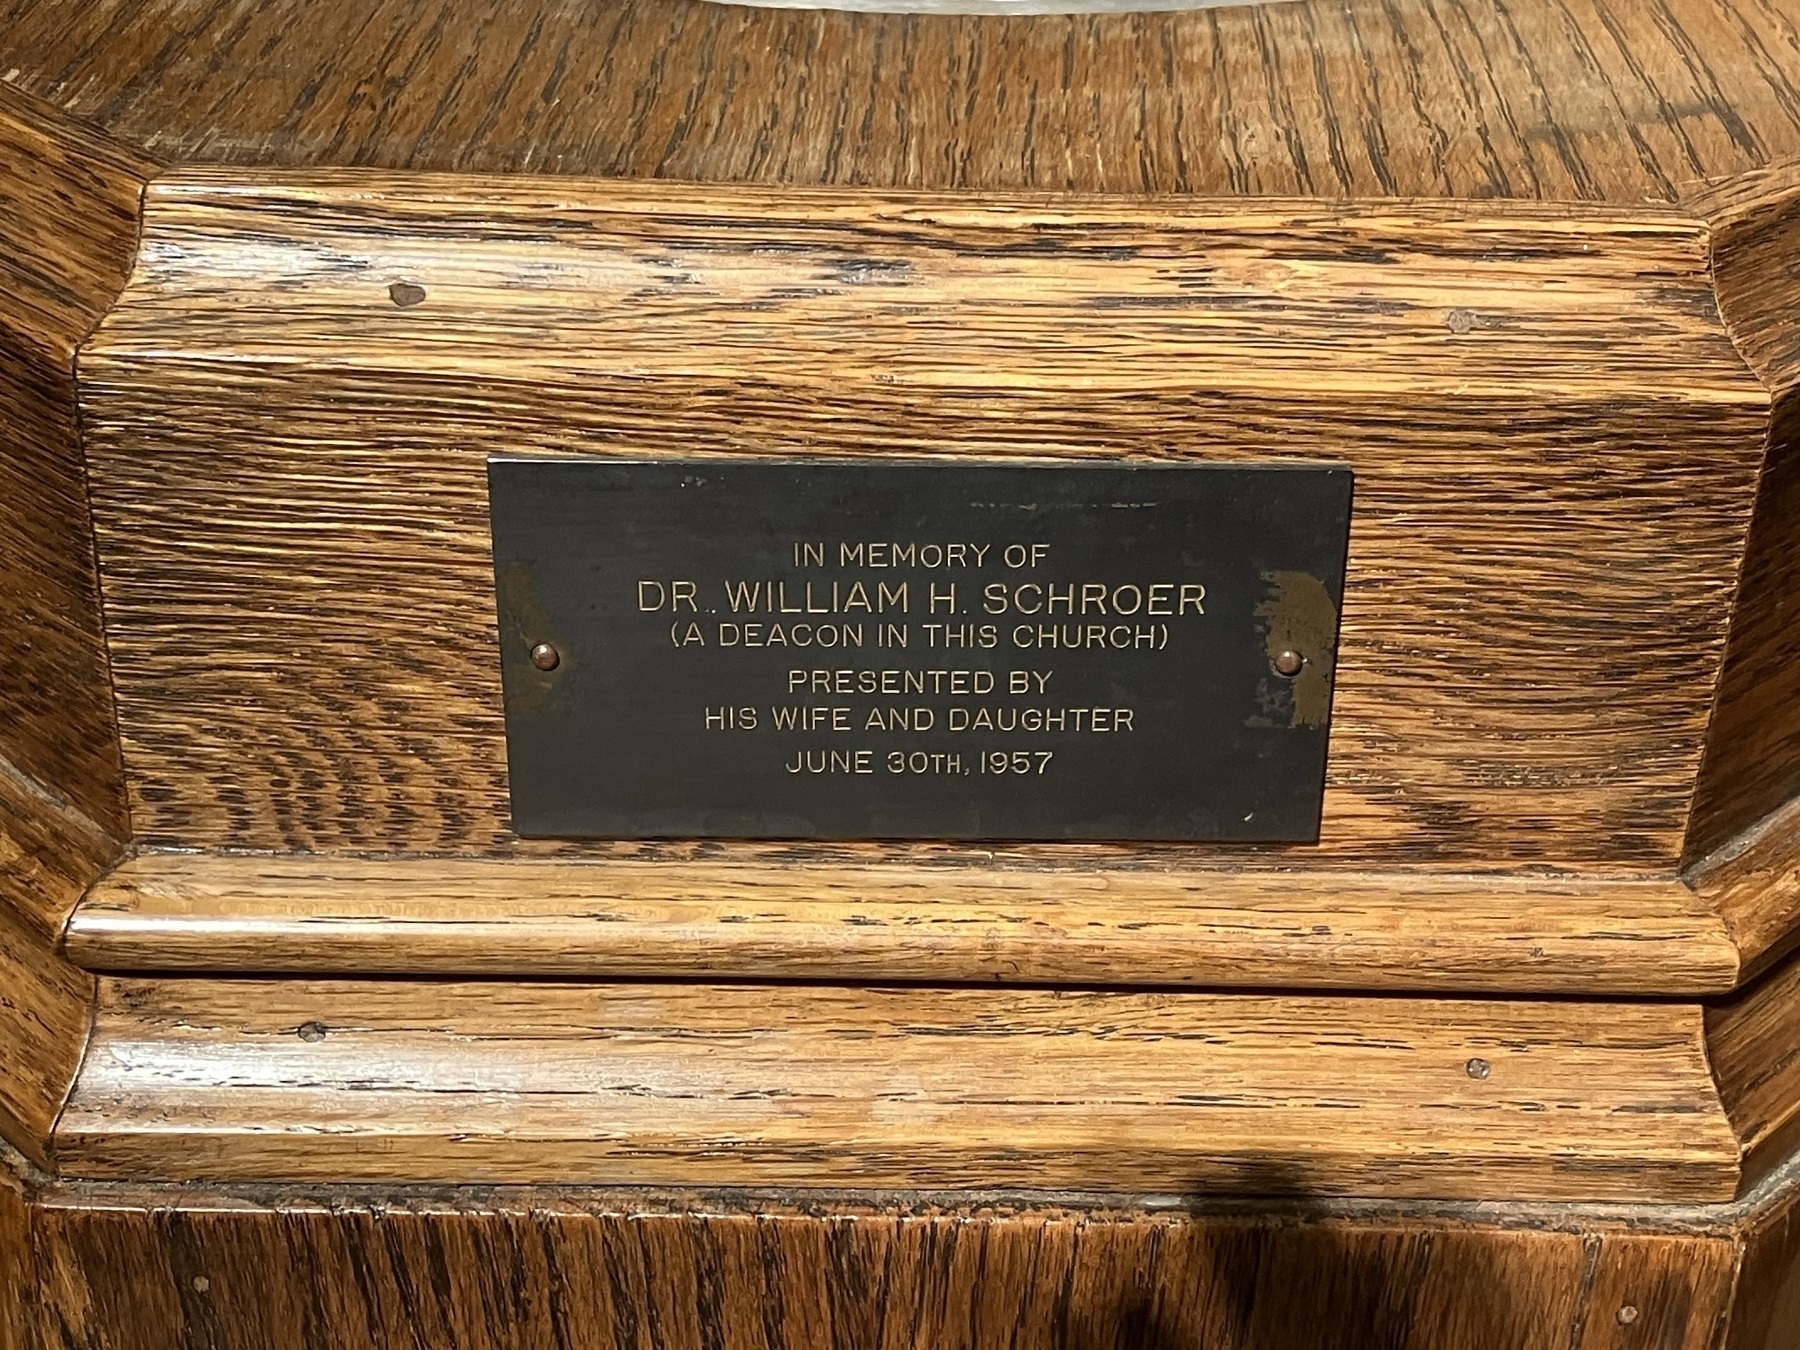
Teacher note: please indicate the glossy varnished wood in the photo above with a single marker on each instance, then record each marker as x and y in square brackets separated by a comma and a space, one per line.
[68, 231]
[48, 855]
[690, 1084]
[1556, 447]
[314, 1268]
[1560, 99]
[765, 917]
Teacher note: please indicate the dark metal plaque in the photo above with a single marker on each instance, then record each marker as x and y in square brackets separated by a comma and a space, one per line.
[845, 650]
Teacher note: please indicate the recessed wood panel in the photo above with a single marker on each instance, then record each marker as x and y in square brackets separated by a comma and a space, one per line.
[1555, 446]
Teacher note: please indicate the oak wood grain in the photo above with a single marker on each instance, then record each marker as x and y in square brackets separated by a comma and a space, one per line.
[934, 1088]
[1476, 99]
[18, 1273]
[1752, 762]
[766, 919]
[1766, 1303]
[48, 855]
[1754, 888]
[142, 1266]
[68, 230]
[1753, 1041]
[45, 1006]
[288, 470]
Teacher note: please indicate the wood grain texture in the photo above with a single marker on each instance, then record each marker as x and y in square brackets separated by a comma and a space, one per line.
[68, 229]
[1753, 1040]
[48, 855]
[695, 1085]
[45, 1007]
[18, 1274]
[1754, 889]
[1766, 1302]
[1752, 763]
[1555, 99]
[289, 470]
[764, 920]
[138, 1268]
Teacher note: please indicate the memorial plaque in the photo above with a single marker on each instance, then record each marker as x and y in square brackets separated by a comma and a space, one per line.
[901, 650]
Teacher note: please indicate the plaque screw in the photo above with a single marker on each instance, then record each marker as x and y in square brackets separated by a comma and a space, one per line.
[545, 657]
[406, 294]
[1288, 663]
[1478, 1068]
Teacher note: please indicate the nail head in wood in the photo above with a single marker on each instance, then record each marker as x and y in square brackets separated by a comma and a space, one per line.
[406, 294]
[311, 1032]
[1478, 1068]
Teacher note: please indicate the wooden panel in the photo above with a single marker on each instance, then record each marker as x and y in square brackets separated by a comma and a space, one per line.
[1459, 98]
[1754, 1042]
[68, 229]
[682, 1084]
[587, 1270]
[1766, 1304]
[48, 855]
[1668, 1292]
[288, 469]
[18, 1276]
[1752, 763]
[768, 919]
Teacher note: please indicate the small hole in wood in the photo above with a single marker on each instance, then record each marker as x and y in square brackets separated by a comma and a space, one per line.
[311, 1032]
[406, 294]
[1478, 1068]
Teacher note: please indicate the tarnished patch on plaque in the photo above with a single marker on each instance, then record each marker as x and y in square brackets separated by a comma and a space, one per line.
[918, 650]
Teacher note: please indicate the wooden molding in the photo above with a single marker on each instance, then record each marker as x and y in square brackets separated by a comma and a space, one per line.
[931, 1088]
[759, 918]
[1753, 1040]
[68, 232]
[48, 855]
[1752, 762]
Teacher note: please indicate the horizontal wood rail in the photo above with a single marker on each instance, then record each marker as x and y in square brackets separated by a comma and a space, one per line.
[695, 1085]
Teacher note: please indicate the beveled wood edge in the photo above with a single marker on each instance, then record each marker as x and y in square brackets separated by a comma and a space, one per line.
[759, 920]
[1753, 1046]
[1753, 886]
[942, 1089]
[1766, 1195]
[49, 853]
